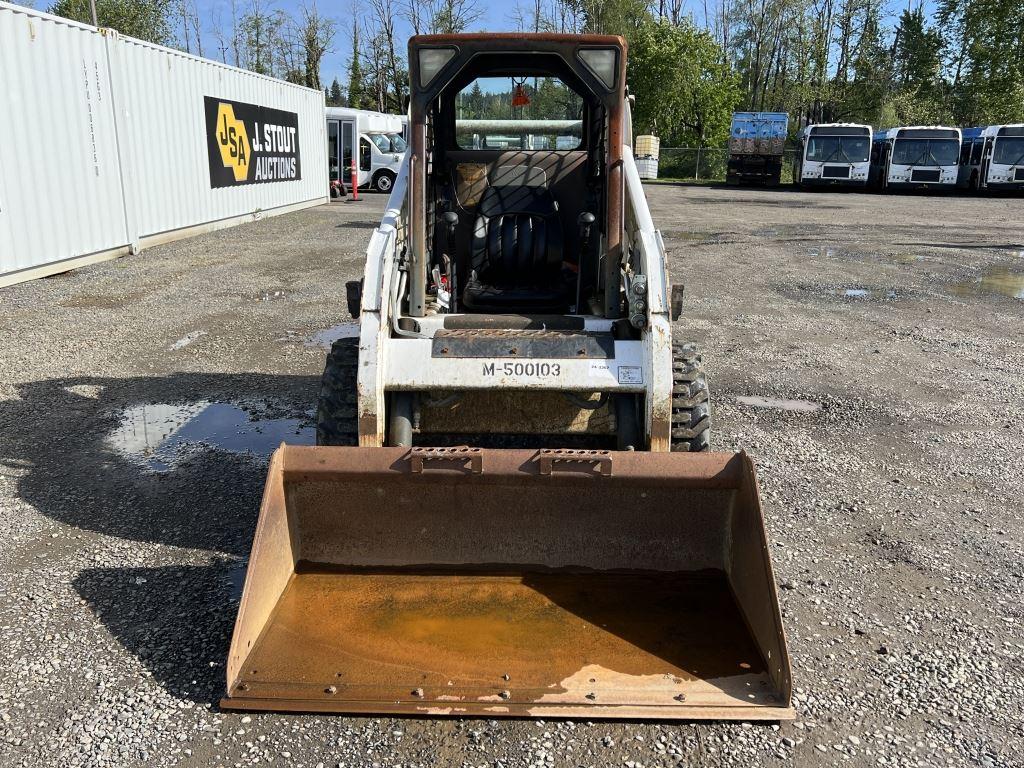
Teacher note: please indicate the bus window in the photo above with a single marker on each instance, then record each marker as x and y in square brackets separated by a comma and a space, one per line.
[365, 158]
[347, 133]
[332, 149]
[388, 143]
[842, 149]
[1009, 150]
[925, 152]
[976, 152]
[965, 153]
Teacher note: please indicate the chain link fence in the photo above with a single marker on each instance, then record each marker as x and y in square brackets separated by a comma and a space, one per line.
[707, 163]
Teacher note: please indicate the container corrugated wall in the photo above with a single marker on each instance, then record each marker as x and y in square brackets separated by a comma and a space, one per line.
[171, 152]
[60, 181]
[105, 143]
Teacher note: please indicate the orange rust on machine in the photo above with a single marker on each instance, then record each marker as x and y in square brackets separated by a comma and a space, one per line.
[389, 580]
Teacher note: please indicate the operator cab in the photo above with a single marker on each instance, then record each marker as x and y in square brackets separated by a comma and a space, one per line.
[515, 186]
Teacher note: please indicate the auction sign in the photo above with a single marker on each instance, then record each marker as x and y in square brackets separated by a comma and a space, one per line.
[249, 144]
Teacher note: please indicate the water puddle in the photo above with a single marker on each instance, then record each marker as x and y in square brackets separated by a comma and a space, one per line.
[184, 341]
[328, 336]
[159, 435]
[275, 294]
[826, 252]
[1001, 281]
[779, 404]
[865, 293]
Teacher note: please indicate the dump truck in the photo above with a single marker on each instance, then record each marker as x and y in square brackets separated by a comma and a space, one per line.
[757, 141]
[512, 508]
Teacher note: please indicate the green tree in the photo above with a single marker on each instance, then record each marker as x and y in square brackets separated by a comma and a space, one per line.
[144, 19]
[984, 46]
[920, 94]
[335, 97]
[318, 33]
[916, 51]
[612, 17]
[472, 104]
[358, 96]
[867, 96]
[449, 17]
[685, 91]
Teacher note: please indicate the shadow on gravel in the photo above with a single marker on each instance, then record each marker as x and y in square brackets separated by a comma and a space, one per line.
[56, 435]
[358, 225]
[802, 202]
[177, 620]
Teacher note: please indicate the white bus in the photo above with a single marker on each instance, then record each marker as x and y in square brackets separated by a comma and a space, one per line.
[993, 157]
[833, 154]
[915, 157]
[381, 148]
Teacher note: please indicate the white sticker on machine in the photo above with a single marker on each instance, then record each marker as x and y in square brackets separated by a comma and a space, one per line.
[624, 374]
[631, 374]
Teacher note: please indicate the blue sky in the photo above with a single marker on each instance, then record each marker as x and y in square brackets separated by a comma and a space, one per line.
[497, 18]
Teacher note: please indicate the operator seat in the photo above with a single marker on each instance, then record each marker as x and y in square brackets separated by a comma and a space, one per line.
[516, 258]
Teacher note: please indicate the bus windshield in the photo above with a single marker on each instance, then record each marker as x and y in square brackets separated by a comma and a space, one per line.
[388, 142]
[1009, 150]
[925, 152]
[838, 149]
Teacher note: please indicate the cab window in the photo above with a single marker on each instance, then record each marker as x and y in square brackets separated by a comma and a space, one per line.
[518, 113]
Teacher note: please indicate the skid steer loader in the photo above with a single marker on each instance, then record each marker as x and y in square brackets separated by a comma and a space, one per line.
[511, 508]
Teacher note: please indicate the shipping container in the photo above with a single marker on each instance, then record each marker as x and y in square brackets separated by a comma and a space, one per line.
[112, 144]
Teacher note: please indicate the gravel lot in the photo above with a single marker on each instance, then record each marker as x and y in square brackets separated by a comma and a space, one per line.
[893, 485]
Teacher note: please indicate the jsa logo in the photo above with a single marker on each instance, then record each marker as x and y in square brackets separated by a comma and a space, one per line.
[233, 142]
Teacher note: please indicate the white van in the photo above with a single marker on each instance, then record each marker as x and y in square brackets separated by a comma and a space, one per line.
[381, 147]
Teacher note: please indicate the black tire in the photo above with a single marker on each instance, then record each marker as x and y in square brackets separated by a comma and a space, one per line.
[336, 421]
[732, 180]
[691, 405]
[384, 182]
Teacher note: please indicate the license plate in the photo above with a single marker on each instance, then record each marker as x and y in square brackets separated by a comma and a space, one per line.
[523, 369]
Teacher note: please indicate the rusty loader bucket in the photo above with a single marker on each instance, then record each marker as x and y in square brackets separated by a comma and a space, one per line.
[510, 582]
